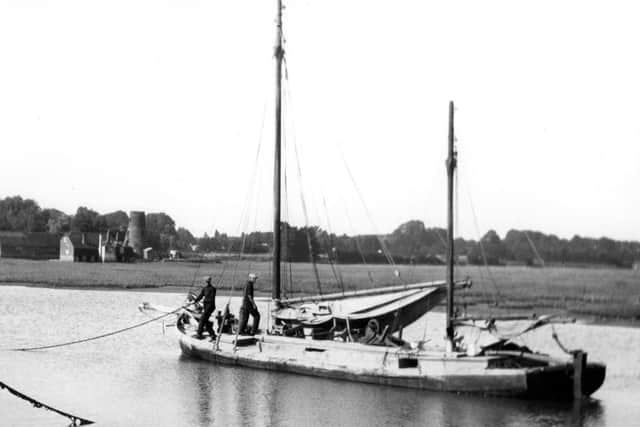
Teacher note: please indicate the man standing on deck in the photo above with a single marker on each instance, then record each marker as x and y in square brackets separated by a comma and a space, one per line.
[208, 295]
[249, 307]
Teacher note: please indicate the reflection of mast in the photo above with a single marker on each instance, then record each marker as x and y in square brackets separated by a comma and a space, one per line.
[279, 54]
[451, 167]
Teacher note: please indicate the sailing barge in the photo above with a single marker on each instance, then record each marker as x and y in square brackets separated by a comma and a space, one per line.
[307, 337]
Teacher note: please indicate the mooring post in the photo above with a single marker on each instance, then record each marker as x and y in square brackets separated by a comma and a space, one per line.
[579, 361]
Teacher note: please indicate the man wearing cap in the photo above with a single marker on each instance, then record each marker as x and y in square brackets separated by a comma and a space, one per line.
[249, 307]
[208, 295]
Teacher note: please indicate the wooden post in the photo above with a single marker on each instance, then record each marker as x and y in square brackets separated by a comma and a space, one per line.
[579, 361]
[349, 329]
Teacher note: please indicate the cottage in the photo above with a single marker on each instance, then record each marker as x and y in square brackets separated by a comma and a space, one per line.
[82, 247]
[38, 245]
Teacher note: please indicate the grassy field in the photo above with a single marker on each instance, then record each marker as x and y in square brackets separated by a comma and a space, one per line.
[597, 294]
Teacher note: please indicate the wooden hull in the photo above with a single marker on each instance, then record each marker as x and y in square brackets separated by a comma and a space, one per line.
[390, 366]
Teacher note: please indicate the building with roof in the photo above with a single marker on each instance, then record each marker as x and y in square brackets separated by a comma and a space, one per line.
[34, 245]
[80, 247]
[112, 249]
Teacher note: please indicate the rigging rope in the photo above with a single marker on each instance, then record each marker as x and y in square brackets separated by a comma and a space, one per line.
[244, 215]
[119, 331]
[288, 103]
[357, 242]
[554, 335]
[75, 420]
[333, 263]
[482, 252]
[533, 247]
[242, 225]
[286, 281]
[334, 269]
[383, 246]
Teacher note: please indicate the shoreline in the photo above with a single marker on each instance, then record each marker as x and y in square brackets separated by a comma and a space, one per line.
[177, 289]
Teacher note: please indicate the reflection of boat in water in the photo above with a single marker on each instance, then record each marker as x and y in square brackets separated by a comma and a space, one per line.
[310, 336]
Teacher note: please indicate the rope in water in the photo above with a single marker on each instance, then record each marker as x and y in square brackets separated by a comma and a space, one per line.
[75, 420]
[137, 325]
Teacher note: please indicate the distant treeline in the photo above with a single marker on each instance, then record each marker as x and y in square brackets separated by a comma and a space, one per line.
[18, 214]
[411, 242]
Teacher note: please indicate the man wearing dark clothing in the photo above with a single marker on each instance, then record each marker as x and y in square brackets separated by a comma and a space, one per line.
[208, 297]
[249, 307]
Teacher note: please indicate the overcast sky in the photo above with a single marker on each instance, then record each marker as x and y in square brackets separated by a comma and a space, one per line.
[162, 105]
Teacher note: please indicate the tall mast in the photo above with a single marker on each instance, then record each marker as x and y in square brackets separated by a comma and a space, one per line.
[451, 167]
[279, 55]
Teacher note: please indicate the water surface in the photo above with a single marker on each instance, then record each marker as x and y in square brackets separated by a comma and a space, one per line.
[139, 378]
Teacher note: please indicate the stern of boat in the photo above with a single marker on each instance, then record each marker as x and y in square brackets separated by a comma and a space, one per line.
[558, 382]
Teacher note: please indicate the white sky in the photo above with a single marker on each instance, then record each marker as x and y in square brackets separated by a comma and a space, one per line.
[158, 106]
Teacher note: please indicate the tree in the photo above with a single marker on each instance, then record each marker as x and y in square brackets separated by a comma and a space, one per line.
[160, 231]
[117, 220]
[87, 220]
[184, 239]
[56, 221]
[18, 214]
[490, 248]
[410, 239]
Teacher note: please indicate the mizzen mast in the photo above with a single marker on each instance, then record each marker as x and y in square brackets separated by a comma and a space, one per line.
[279, 55]
[451, 167]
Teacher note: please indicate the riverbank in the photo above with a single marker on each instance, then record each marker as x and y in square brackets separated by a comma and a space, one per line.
[604, 296]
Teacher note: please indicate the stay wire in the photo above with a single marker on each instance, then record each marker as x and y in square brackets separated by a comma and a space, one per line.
[533, 247]
[243, 220]
[288, 104]
[334, 263]
[356, 239]
[383, 245]
[547, 277]
[482, 251]
[287, 285]
[219, 281]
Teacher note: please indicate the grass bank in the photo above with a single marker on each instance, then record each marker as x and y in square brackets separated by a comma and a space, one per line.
[602, 295]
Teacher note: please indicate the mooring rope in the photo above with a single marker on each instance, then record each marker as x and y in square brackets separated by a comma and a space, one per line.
[103, 335]
[75, 420]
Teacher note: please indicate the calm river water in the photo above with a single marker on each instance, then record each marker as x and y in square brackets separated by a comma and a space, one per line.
[138, 378]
